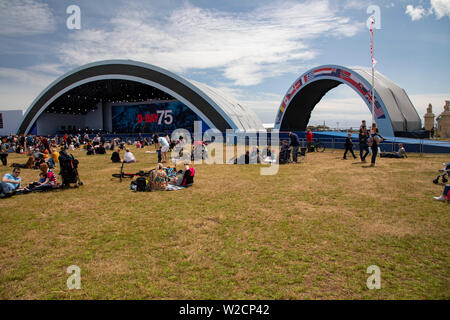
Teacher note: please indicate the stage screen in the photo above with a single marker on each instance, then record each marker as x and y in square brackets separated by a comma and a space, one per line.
[154, 117]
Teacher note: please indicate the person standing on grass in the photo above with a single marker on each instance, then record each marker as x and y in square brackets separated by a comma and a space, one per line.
[374, 142]
[157, 147]
[349, 147]
[164, 144]
[4, 152]
[309, 139]
[294, 143]
[21, 144]
[166, 136]
[363, 125]
[363, 144]
[155, 140]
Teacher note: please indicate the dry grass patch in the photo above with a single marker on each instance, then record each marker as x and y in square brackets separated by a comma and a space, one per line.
[308, 232]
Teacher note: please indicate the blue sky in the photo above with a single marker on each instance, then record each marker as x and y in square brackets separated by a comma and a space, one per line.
[253, 50]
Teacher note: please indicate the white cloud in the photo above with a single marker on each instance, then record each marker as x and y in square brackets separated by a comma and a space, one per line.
[18, 87]
[441, 8]
[25, 76]
[48, 68]
[266, 109]
[25, 17]
[245, 47]
[390, 5]
[416, 13]
[356, 4]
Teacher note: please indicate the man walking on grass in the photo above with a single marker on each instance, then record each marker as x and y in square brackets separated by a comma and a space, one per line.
[349, 147]
[363, 143]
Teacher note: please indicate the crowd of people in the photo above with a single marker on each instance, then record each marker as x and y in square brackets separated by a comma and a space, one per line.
[43, 155]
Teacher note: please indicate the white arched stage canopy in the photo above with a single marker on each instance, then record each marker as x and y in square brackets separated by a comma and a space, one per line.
[216, 109]
[394, 112]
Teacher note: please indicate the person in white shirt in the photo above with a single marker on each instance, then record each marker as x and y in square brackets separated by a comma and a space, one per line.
[164, 148]
[128, 157]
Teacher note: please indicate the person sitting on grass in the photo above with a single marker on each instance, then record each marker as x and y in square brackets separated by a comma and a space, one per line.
[46, 155]
[188, 176]
[159, 179]
[28, 165]
[185, 177]
[115, 157]
[243, 159]
[55, 155]
[100, 149]
[129, 157]
[255, 156]
[38, 162]
[90, 149]
[10, 183]
[284, 153]
[445, 195]
[34, 186]
[37, 154]
[50, 179]
[51, 163]
[401, 153]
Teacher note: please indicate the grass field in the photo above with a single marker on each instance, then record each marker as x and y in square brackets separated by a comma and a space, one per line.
[309, 232]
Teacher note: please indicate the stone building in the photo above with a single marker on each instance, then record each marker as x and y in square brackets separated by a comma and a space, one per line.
[443, 121]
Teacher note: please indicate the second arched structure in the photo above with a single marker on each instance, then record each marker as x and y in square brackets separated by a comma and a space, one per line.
[394, 112]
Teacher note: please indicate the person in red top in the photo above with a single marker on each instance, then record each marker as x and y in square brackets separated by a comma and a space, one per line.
[47, 180]
[309, 139]
[50, 180]
[188, 176]
[186, 179]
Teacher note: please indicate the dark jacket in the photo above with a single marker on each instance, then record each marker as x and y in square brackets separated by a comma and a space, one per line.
[294, 140]
[348, 142]
[363, 139]
[115, 157]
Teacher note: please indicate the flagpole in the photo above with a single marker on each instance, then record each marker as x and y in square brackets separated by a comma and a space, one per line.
[373, 69]
[373, 89]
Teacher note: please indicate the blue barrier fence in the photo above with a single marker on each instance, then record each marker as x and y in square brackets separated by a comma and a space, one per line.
[335, 140]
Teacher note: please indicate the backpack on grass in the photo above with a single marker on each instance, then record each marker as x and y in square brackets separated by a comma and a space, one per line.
[141, 184]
